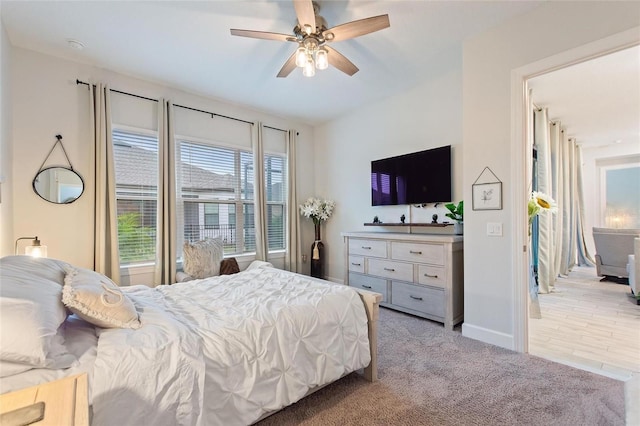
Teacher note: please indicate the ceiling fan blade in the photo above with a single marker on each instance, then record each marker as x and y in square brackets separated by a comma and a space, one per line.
[357, 28]
[288, 66]
[305, 14]
[262, 35]
[339, 61]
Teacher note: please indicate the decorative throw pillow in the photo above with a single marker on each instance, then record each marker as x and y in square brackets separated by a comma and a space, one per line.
[98, 300]
[229, 266]
[201, 259]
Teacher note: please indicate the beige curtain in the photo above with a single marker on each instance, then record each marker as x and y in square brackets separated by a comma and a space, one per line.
[293, 223]
[560, 235]
[260, 210]
[584, 257]
[166, 250]
[558, 166]
[106, 254]
[546, 276]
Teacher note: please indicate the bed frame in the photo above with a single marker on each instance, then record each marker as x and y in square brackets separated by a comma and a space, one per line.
[371, 302]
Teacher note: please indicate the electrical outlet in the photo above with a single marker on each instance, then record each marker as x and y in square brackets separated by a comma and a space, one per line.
[494, 229]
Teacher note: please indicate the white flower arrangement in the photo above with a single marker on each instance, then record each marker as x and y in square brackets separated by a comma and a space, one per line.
[540, 202]
[316, 209]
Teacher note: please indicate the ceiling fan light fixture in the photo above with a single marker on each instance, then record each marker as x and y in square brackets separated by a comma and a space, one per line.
[322, 59]
[308, 29]
[301, 57]
[309, 69]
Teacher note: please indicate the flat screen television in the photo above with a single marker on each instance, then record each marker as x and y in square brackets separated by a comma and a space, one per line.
[416, 178]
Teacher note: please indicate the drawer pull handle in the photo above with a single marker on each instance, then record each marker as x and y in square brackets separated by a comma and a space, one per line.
[430, 276]
[356, 264]
[366, 286]
[389, 269]
[415, 252]
[366, 248]
[415, 297]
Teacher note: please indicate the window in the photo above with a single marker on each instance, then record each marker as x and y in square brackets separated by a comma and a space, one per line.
[621, 196]
[215, 195]
[136, 169]
[275, 195]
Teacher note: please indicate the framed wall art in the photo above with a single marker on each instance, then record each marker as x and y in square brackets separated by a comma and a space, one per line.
[487, 195]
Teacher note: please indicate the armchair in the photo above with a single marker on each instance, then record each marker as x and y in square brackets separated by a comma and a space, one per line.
[633, 267]
[613, 246]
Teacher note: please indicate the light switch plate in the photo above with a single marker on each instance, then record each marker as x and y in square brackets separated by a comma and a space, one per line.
[494, 229]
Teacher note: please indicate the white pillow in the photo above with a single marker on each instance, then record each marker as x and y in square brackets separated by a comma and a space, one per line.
[202, 258]
[24, 335]
[98, 300]
[31, 310]
[22, 350]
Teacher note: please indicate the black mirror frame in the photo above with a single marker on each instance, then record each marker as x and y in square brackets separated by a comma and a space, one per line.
[33, 184]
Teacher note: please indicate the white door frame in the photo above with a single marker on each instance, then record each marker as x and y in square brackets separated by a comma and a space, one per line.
[521, 157]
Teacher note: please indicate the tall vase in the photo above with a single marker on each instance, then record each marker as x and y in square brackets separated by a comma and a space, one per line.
[317, 255]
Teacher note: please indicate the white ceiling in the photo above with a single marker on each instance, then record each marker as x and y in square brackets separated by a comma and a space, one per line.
[187, 44]
[597, 101]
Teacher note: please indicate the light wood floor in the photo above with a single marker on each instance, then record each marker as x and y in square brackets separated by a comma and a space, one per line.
[589, 324]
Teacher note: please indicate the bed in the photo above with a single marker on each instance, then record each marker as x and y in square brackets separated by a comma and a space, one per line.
[225, 350]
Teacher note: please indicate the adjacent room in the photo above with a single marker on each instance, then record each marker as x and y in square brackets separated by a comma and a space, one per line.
[328, 212]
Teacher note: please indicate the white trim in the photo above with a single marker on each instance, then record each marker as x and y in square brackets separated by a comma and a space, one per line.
[519, 175]
[134, 129]
[486, 335]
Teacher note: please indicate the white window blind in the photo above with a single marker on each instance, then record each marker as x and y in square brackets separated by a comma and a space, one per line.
[215, 193]
[276, 197]
[136, 168]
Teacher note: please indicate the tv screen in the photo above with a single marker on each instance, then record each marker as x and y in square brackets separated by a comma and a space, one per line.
[416, 178]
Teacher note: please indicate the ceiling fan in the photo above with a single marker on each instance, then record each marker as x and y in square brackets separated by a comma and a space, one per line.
[312, 36]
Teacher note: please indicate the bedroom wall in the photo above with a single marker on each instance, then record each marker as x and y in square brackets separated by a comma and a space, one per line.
[6, 193]
[468, 98]
[426, 116]
[488, 61]
[47, 101]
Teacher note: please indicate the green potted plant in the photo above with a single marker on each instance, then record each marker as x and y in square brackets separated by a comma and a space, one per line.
[456, 212]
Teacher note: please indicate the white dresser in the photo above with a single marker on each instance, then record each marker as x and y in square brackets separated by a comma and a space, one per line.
[421, 274]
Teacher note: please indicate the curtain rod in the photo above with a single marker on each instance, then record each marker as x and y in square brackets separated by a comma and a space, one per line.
[212, 114]
[122, 93]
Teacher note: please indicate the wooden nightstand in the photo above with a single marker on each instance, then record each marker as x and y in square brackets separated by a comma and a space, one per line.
[66, 401]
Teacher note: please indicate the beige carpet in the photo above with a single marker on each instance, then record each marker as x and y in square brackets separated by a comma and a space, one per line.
[429, 376]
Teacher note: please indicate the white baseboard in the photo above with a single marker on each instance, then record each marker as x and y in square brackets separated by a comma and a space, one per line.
[488, 336]
[335, 280]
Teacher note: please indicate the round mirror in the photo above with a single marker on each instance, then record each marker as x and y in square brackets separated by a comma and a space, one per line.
[58, 185]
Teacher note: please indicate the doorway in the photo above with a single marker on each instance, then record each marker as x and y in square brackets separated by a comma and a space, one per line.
[521, 150]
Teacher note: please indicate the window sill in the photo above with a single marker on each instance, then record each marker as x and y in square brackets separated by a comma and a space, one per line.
[149, 267]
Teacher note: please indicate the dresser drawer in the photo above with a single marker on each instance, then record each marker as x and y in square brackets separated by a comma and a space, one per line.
[418, 252]
[390, 269]
[379, 285]
[431, 275]
[374, 248]
[356, 264]
[427, 300]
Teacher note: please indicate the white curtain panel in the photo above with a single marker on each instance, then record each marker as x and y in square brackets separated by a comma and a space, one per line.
[545, 221]
[293, 222]
[106, 253]
[584, 257]
[166, 250]
[558, 160]
[561, 235]
[565, 210]
[260, 218]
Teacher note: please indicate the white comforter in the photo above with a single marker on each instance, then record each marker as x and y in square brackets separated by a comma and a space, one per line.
[227, 350]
